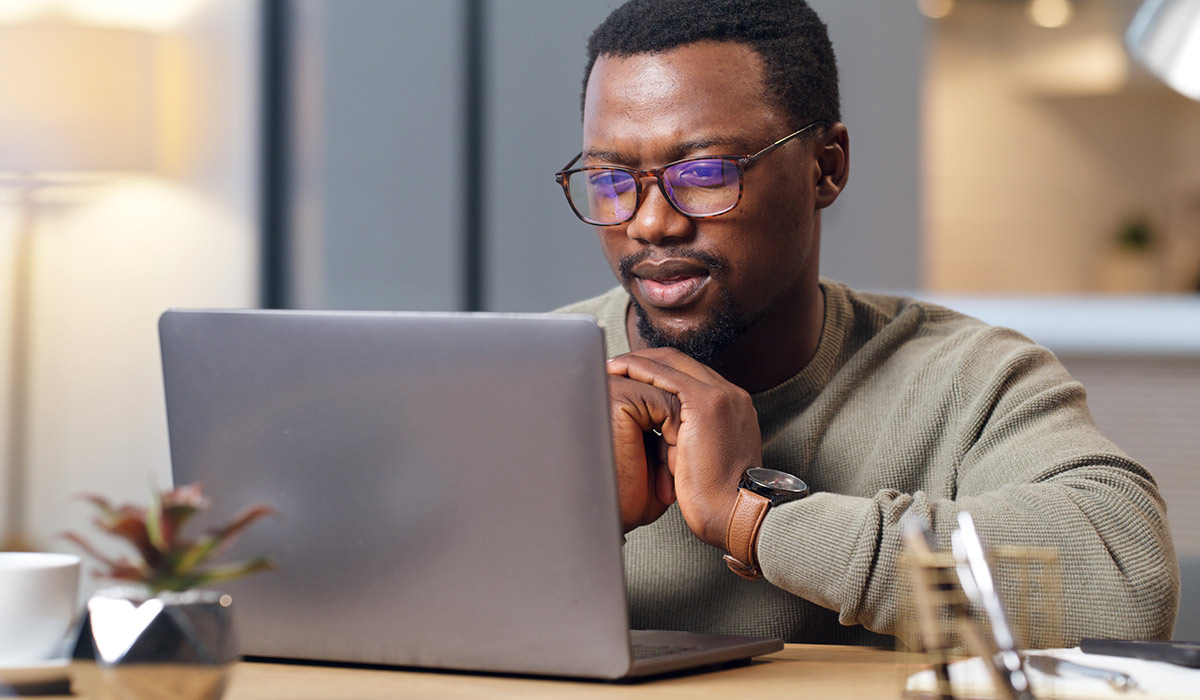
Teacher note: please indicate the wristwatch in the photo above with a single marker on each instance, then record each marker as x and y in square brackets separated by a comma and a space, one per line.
[758, 491]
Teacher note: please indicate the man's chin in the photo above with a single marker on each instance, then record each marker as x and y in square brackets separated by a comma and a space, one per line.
[673, 328]
[704, 340]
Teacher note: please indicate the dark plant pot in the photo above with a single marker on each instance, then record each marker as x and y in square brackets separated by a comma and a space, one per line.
[170, 646]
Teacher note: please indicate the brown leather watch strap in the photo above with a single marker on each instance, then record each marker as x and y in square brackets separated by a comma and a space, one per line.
[741, 535]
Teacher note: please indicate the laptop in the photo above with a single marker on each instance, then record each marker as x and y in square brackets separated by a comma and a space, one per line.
[444, 485]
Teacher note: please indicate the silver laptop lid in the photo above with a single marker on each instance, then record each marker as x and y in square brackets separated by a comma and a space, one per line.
[444, 483]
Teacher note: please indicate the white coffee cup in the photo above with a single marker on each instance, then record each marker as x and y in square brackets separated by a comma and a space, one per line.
[39, 593]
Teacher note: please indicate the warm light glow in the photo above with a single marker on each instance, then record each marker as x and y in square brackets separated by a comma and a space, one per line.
[147, 15]
[150, 15]
[1092, 65]
[1051, 13]
[13, 11]
[935, 9]
[76, 98]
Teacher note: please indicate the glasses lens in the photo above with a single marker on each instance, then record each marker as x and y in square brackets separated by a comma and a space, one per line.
[703, 187]
[602, 195]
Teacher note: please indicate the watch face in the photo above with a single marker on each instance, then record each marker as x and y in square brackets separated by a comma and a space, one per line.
[776, 480]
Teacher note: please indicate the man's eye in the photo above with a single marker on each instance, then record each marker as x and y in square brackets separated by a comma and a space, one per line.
[609, 183]
[701, 173]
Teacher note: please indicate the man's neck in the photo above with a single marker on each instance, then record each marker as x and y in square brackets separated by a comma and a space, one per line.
[776, 348]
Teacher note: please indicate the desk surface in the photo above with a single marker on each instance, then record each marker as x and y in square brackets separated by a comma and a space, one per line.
[800, 670]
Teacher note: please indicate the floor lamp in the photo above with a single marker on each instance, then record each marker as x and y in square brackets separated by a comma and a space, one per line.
[75, 100]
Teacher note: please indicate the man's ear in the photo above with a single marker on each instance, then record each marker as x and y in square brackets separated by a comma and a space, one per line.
[834, 162]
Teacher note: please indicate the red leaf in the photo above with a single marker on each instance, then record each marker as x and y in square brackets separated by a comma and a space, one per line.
[120, 569]
[129, 523]
[188, 496]
[225, 535]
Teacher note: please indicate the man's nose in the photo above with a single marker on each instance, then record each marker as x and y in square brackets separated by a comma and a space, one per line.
[656, 221]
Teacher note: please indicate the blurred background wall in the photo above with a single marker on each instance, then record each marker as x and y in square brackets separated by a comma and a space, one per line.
[1052, 163]
[399, 154]
[387, 178]
[170, 219]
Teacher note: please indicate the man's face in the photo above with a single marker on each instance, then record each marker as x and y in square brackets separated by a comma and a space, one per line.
[699, 284]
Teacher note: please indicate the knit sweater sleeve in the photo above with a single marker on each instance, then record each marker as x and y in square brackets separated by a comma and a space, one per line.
[977, 419]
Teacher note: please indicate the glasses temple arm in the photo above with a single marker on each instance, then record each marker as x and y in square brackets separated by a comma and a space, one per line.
[573, 162]
[750, 159]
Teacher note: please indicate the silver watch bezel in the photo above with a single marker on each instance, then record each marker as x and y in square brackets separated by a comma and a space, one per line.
[764, 482]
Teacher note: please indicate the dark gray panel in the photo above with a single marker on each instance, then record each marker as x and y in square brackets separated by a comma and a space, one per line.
[379, 100]
[871, 236]
[539, 255]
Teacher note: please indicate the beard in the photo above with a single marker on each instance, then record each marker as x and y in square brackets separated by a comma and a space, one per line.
[707, 343]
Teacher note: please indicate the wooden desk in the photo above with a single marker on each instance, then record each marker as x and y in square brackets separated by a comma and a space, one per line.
[799, 671]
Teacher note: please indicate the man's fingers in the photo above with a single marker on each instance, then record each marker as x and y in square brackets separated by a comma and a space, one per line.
[652, 372]
[672, 372]
[714, 438]
[645, 479]
[650, 407]
[664, 486]
[670, 357]
[696, 397]
[658, 457]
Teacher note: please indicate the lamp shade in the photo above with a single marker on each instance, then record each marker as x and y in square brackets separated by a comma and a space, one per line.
[76, 98]
[1165, 38]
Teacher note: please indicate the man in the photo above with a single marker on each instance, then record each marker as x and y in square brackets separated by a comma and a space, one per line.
[729, 352]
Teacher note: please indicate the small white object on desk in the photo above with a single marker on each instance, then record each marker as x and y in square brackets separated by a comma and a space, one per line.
[38, 601]
[1152, 679]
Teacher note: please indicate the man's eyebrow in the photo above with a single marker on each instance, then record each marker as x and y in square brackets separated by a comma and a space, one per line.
[615, 157]
[675, 152]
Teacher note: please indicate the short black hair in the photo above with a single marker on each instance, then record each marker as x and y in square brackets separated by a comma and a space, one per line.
[800, 68]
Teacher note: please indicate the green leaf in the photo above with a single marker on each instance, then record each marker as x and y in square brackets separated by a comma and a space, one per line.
[196, 555]
[228, 572]
[154, 527]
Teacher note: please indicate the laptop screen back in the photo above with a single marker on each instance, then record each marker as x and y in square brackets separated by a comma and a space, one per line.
[443, 483]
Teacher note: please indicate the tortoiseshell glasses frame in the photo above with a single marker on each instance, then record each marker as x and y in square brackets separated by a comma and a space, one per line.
[699, 187]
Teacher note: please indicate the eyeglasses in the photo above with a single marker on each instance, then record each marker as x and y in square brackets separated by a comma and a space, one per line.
[700, 187]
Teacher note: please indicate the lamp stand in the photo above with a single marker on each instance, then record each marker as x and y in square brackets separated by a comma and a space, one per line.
[18, 423]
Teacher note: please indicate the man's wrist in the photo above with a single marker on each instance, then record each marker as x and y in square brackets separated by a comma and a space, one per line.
[741, 534]
[758, 491]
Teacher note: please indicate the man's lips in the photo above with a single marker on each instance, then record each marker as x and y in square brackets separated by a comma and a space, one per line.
[670, 283]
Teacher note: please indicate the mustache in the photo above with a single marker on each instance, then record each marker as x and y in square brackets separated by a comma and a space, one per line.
[713, 263]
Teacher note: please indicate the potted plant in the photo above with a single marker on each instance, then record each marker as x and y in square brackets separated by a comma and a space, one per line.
[162, 633]
[1131, 262]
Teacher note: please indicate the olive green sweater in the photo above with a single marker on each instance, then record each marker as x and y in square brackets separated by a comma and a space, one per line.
[907, 406]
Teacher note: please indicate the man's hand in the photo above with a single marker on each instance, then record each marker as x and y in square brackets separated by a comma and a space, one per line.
[645, 485]
[714, 440]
